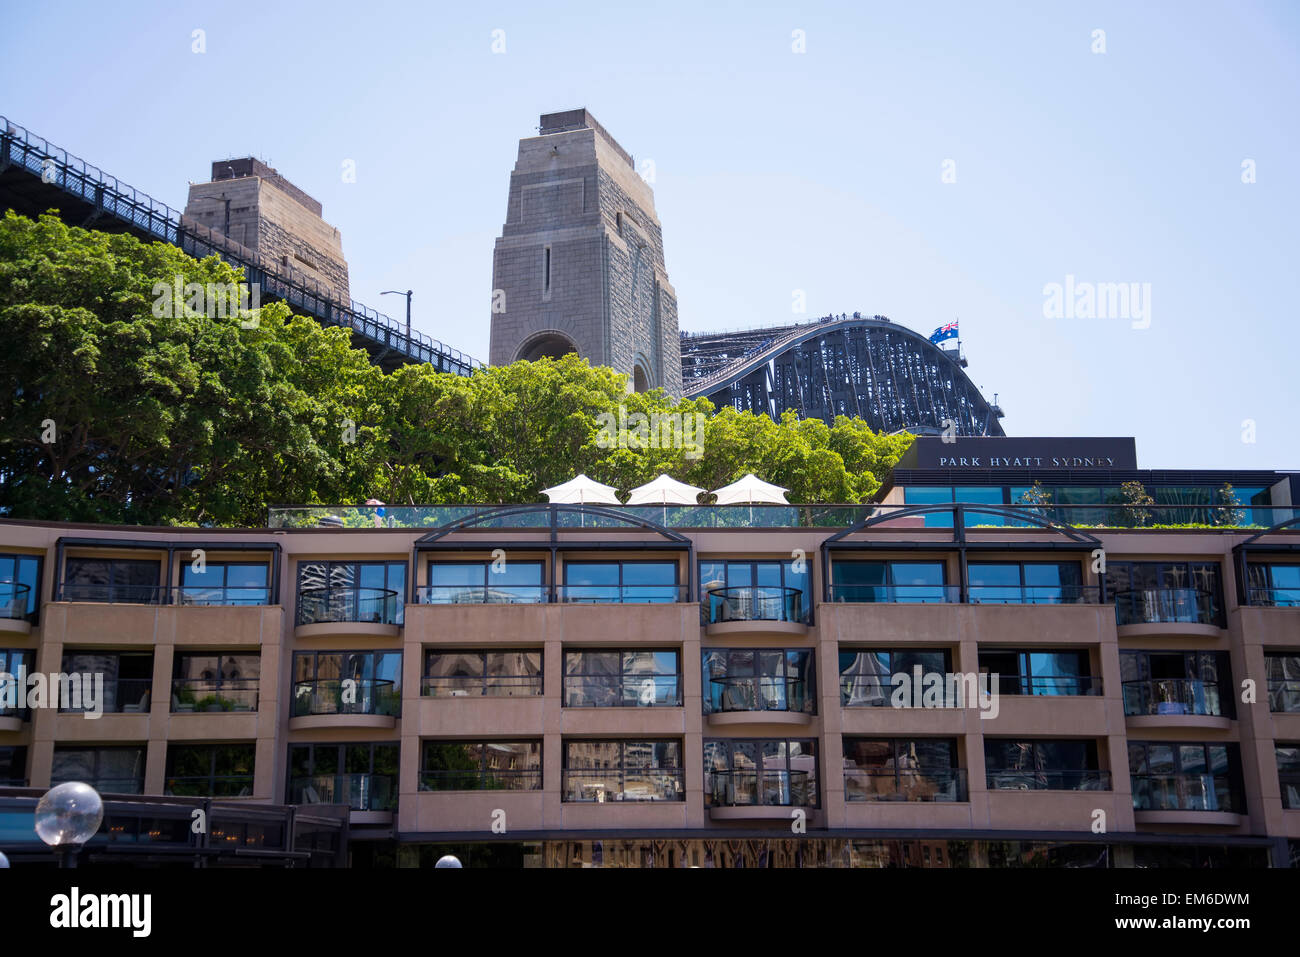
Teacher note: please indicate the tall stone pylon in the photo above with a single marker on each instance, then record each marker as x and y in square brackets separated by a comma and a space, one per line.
[579, 265]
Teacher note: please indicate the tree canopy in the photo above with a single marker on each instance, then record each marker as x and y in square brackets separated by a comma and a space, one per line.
[116, 410]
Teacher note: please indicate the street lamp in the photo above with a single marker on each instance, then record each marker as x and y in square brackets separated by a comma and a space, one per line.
[448, 860]
[68, 816]
[407, 294]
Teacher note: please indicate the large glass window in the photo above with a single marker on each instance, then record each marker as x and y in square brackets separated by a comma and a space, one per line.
[1176, 682]
[742, 771]
[1054, 672]
[118, 770]
[1275, 585]
[1027, 583]
[210, 770]
[225, 583]
[622, 770]
[129, 580]
[362, 775]
[629, 581]
[1282, 669]
[1042, 764]
[902, 769]
[735, 590]
[347, 682]
[890, 581]
[866, 675]
[1178, 776]
[1288, 774]
[127, 677]
[15, 663]
[758, 679]
[495, 674]
[371, 592]
[1165, 592]
[604, 678]
[13, 766]
[481, 766]
[506, 583]
[20, 586]
[215, 682]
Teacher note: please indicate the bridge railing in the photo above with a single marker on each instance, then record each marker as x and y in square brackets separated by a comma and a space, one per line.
[20, 147]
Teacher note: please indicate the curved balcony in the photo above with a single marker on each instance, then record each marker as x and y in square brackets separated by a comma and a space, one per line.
[760, 699]
[1173, 702]
[905, 784]
[1186, 799]
[371, 798]
[1172, 611]
[348, 611]
[13, 608]
[758, 795]
[755, 608]
[344, 703]
[191, 695]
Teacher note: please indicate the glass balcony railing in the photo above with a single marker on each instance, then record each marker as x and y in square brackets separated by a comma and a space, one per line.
[185, 595]
[1048, 685]
[204, 595]
[120, 696]
[1284, 695]
[1166, 605]
[346, 696]
[1184, 792]
[620, 594]
[896, 594]
[214, 694]
[632, 784]
[1062, 779]
[481, 686]
[1033, 594]
[379, 606]
[1172, 696]
[221, 786]
[905, 784]
[478, 779]
[482, 594]
[761, 693]
[622, 691]
[755, 603]
[14, 597]
[1274, 597]
[774, 788]
[360, 792]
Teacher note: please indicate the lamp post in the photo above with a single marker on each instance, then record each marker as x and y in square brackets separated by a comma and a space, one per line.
[448, 860]
[407, 294]
[67, 817]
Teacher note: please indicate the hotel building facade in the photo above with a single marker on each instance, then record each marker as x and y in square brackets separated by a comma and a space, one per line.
[927, 681]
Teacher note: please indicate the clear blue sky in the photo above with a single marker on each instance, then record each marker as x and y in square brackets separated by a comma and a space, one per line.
[777, 171]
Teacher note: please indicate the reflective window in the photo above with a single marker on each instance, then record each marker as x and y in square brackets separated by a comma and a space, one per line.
[1165, 592]
[127, 680]
[130, 580]
[1282, 670]
[210, 770]
[1288, 774]
[362, 775]
[605, 678]
[754, 591]
[742, 771]
[758, 679]
[497, 674]
[890, 581]
[1275, 585]
[1177, 776]
[215, 682]
[1067, 764]
[481, 765]
[1057, 672]
[15, 665]
[225, 583]
[13, 767]
[115, 770]
[490, 582]
[347, 682]
[1176, 682]
[623, 770]
[1027, 583]
[867, 676]
[625, 581]
[20, 586]
[371, 592]
[902, 769]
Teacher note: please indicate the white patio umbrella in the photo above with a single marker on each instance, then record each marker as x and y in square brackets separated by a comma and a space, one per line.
[751, 490]
[581, 491]
[665, 490]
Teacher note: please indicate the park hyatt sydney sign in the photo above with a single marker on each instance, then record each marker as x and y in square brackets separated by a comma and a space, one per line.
[998, 452]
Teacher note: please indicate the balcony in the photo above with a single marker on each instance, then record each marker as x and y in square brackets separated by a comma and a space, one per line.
[1193, 609]
[348, 611]
[1290, 784]
[632, 784]
[481, 686]
[1173, 702]
[14, 597]
[906, 784]
[477, 779]
[1185, 798]
[1049, 686]
[1273, 597]
[622, 691]
[120, 696]
[221, 786]
[1063, 779]
[896, 594]
[371, 798]
[214, 695]
[184, 595]
[351, 702]
[484, 595]
[1284, 695]
[761, 699]
[542, 594]
[755, 608]
[758, 795]
[1033, 594]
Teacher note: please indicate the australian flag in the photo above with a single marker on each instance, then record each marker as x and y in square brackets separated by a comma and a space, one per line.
[944, 332]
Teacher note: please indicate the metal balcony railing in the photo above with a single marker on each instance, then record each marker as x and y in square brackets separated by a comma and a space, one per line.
[905, 784]
[767, 788]
[1165, 605]
[917, 594]
[622, 691]
[14, 597]
[481, 686]
[1057, 779]
[1185, 792]
[346, 696]
[222, 786]
[1273, 597]
[190, 695]
[1033, 594]
[755, 603]
[482, 594]
[1172, 696]
[380, 606]
[630, 784]
[1048, 685]
[360, 792]
[761, 693]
